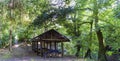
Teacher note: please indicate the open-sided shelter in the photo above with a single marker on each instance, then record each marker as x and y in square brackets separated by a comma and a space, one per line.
[48, 43]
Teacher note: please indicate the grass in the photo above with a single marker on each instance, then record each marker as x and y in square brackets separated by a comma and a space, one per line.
[6, 55]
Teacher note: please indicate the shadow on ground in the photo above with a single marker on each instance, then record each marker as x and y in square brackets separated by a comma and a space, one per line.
[23, 52]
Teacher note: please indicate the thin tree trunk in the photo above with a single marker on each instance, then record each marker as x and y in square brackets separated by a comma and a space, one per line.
[11, 6]
[10, 35]
[10, 39]
[88, 53]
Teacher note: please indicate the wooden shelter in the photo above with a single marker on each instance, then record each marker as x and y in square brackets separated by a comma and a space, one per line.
[47, 44]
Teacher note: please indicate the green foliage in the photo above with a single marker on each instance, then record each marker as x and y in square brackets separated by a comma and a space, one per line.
[109, 53]
[116, 11]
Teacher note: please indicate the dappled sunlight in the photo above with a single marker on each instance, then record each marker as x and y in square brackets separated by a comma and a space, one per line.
[28, 44]
[16, 46]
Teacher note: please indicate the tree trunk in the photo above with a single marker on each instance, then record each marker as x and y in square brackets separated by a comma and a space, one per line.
[88, 53]
[11, 6]
[10, 40]
[101, 52]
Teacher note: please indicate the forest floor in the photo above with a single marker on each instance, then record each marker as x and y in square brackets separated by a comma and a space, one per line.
[23, 52]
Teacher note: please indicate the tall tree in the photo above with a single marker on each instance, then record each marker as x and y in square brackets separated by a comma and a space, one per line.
[101, 52]
[11, 7]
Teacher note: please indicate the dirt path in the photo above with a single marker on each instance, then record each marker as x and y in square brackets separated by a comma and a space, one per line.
[25, 53]
[41, 59]
[114, 57]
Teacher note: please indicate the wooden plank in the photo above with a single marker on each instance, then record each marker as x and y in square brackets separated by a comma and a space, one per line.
[56, 39]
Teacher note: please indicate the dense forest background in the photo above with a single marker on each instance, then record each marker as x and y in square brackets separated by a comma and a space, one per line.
[93, 23]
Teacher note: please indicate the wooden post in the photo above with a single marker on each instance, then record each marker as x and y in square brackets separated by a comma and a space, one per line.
[55, 48]
[55, 45]
[50, 45]
[41, 44]
[44, 48]
[62, 48]
[10, 39]
[47, 44]
[41, 48]
[32, 45]
[36, 44]
[44, 44]
[37, 48]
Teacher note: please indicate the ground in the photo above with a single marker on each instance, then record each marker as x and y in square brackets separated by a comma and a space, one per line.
[23, 52]
[28, 58]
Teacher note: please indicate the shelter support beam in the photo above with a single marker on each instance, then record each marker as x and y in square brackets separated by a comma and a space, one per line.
[62, 48]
